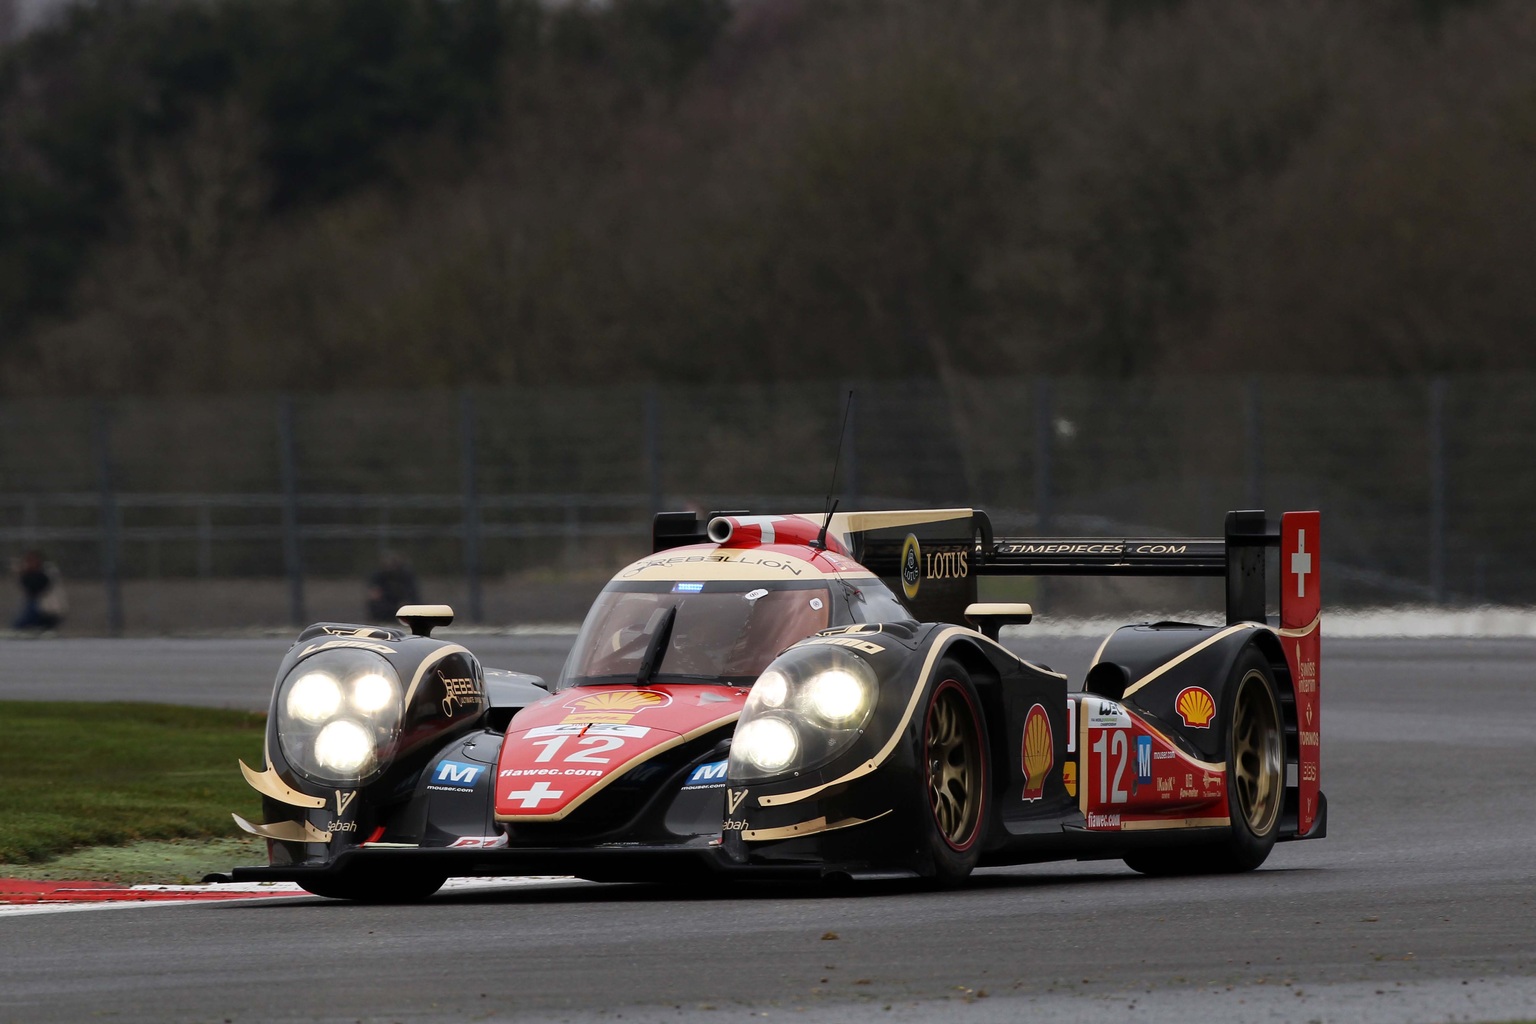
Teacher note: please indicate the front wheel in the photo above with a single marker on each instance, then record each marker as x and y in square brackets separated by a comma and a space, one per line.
[1255, 769]
[954, 772]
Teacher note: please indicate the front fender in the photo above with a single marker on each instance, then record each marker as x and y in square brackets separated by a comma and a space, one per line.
[863, 809]
[443, 697]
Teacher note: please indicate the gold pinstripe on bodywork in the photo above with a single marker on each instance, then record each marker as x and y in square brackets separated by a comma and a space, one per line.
[1167, 823]
[805, 828]
[430, 661]
[1302, 630]
[1100, 652]
[1214, 638]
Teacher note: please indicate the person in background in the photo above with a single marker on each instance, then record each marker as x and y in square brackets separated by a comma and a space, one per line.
[392, 585]
[43, 604]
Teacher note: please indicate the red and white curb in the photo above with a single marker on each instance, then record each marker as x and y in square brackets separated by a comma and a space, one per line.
[21, 897]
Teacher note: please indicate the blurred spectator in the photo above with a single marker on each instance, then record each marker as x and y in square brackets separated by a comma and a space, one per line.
[43, 601]
[391, 586]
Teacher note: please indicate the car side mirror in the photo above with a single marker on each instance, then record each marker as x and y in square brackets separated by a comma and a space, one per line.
[990, 618]
[422, 619]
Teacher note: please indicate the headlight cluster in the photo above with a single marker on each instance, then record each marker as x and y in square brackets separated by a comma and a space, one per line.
[337, 712]
[806, 707]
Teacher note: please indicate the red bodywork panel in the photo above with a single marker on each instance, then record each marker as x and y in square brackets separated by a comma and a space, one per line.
[565, 748]
[1134, 778]
[1301, 635]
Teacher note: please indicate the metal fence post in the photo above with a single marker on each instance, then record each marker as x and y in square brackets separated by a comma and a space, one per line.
[1044, 429]
[111, 525]
[1437, 489]
[851, 443]
[471, 504]
[652, 440]
[293, 548]
[204, 540]
[1253, 422]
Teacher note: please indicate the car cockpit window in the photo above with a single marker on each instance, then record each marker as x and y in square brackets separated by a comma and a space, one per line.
[871, 601]
[716, 634]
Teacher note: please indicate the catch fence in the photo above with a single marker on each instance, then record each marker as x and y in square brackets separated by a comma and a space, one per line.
[1424, 484]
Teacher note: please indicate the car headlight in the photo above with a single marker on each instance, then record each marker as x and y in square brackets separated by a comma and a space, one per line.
[807, 707]
[338, 715]
[767, 744]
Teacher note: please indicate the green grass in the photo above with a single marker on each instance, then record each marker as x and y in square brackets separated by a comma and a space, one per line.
[92, 775]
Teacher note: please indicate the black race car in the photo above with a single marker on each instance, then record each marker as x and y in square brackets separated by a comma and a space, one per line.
[809, 696]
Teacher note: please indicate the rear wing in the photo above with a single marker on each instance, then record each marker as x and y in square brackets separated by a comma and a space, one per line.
[1239, 556]
[933, 559]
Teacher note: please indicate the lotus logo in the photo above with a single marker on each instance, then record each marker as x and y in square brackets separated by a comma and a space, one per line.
[614, 705]
[1195, 707]
[911, 566]
[1039, 751]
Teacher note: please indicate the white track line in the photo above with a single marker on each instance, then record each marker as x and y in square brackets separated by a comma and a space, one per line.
[253, 890]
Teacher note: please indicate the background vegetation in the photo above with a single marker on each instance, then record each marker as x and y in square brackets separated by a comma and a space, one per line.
[227, 195]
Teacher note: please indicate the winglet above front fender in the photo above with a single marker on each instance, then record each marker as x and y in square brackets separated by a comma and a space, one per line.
[284, 831]
[267, 783]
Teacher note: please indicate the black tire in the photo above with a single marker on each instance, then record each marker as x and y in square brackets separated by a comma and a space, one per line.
[375, 887]
[955, 777]
[1255, 762]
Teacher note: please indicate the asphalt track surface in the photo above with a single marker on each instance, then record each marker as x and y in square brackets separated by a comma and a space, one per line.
[1420, 906]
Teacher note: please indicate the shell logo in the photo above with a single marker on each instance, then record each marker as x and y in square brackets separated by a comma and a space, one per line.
[1039, 751]
[1195, 707]
[614, 705]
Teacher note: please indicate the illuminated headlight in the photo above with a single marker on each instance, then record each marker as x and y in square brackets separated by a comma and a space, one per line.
[836, 696]
[315, 697]
[771, 689]
[338, 715]
[810, 705]
[344, 747]
[768, 744]
[374, 692]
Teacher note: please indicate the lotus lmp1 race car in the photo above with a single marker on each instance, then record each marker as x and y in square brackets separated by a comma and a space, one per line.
[796, 696]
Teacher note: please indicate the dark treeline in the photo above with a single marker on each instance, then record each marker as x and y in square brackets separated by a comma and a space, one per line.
[221, 195]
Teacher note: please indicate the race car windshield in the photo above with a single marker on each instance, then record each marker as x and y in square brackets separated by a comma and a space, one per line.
[728, 635]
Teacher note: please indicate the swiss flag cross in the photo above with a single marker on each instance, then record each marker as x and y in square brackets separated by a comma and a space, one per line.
[1300, 562]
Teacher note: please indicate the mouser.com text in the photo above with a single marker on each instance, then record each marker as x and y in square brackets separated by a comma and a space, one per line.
[1102, 548]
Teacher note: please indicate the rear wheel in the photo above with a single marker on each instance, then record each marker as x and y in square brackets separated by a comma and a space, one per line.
[954, 772]
[374, 887]
[1255, 768]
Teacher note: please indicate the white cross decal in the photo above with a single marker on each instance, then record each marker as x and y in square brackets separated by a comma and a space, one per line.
[535, 794]
[1301, 563]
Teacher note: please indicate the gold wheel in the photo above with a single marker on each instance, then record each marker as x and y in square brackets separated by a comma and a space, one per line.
[955, 774]
[1258, 754]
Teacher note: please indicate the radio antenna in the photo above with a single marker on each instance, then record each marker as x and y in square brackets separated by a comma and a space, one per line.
[831, 506]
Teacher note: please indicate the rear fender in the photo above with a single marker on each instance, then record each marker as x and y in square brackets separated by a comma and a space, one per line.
[1176, 674]
[1163, 662]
